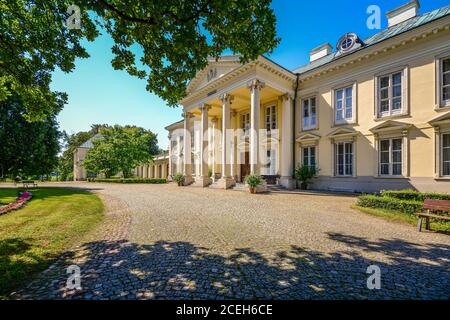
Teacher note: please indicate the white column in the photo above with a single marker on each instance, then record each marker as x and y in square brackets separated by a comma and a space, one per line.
[233, 148]
[214, 146]
[179, 158]
[170, 173]
[202, 179]
[145, 174]
[255, 87]
[227, 180]
[287, 165]
[187, 149]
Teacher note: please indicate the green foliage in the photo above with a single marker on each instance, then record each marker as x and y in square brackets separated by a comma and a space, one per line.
[70, 143]
[128, 180]
[405, 206]
[305, 174]
[176, 38]
[26, 149]
[414, 195]
[120, 150]
[179, 178]
[34, 40]
[31, 238]
[253, 180]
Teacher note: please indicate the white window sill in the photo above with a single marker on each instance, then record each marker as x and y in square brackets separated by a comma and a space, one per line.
[341, 177]
[309, 128]
[392, 116]
[390, 177]
[443, 178]
[343, 123]
[442, 107]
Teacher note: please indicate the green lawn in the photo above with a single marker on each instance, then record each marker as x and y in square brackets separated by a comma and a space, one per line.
[403, 217]
[7, 196]
[32, 237]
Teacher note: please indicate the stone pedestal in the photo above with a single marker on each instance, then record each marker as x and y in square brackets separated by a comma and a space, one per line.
[287, 182]
[225, 183]
[202, 182]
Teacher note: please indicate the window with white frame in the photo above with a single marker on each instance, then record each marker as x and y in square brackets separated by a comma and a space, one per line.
[343, 105]
[390, 94]
[245, 123]
[271, 118]
[309, 113]
[390, 157]
[309, 156]
[343, 154]
[445, 152]
[444, 82]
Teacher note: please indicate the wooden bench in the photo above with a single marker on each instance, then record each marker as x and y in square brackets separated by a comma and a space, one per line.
[28, 183]
[432, 205]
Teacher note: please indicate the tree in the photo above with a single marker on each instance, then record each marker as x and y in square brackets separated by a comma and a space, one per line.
[70, 143]
[121, 150]
[176, 37]
[26, 149]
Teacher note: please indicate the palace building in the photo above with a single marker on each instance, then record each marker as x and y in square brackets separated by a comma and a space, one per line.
[370, 114]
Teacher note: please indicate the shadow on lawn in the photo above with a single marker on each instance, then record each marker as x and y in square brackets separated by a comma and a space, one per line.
[181, 270]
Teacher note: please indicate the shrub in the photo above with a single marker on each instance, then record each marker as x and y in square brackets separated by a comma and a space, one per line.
[414, 195]
[253, 180]
[179, 179]
[405, 206]
[305, 174]
[128, 180]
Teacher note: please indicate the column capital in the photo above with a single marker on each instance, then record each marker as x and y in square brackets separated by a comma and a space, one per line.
[226, 97]
[286, 97]
[437, 129]
[187, 115]
[214, 120]
[205, 107]
[256, 84]
[233, 114]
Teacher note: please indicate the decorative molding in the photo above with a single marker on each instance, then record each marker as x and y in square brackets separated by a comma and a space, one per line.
[391, 125]
[226, 98]
[256, 84]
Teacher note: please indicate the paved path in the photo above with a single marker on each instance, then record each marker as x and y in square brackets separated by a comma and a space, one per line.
[166, 242]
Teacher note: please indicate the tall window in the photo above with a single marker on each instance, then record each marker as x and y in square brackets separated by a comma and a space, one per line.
[390, 94]
[446, 154]
[445, 82]
[343, 105]
[343, 158]
[270, 167]
[309, 114]
[271, 118]
[391, 157]
[309, 156]
[245, 123]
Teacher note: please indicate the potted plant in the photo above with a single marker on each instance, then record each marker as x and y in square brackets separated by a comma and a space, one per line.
[179, 179]
[305, 174]
[253, 181]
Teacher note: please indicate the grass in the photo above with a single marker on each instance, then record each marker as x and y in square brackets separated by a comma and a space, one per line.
[397, 216]
[32, 237]
[7, 196]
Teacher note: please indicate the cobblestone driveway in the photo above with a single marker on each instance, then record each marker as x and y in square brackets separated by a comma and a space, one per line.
[166, 242]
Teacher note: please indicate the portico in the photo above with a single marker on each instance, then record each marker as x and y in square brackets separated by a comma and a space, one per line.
[237, 121]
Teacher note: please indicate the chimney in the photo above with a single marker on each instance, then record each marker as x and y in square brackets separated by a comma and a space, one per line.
[320, 52]
[403, 13]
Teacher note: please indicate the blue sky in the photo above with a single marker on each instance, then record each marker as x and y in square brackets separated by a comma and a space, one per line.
[99, 94]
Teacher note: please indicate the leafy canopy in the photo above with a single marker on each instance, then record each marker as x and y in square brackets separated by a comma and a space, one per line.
[176, 38]
[26, 149]
[121, 150]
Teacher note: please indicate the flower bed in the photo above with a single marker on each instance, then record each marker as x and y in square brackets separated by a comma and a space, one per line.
[19, 203]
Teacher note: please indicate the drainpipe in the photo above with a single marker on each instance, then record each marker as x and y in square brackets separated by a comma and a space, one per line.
[294, 131]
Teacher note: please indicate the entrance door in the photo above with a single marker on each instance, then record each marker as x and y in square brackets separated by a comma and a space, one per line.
[245, 167]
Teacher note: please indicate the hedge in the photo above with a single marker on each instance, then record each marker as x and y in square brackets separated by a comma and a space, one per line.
[405, 206]
[414, 195]
[129, 180]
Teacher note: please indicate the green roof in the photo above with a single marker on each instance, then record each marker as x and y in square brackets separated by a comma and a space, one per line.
[382, 36]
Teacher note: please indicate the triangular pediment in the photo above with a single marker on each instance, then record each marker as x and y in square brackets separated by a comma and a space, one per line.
[390, 125]
[441, 120]
[215, 70]
[342, 132]
[307, 137]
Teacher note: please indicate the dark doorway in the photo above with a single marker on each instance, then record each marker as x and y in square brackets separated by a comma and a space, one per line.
[245, 167]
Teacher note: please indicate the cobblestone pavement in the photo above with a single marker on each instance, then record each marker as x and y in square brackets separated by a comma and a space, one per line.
[166, 242]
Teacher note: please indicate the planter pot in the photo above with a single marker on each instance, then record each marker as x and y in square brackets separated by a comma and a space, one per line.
[180, 183]
[252, 190]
